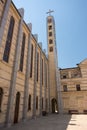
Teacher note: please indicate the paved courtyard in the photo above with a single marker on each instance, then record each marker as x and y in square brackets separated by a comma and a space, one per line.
[53, 122]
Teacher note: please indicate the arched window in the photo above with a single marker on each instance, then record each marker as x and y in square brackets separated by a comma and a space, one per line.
[22, 52]
[17, 104]
[9, 40]
[1, 95]
[37, 66]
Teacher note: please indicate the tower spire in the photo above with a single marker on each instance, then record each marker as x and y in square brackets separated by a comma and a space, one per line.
[54, 78]
[49, 12]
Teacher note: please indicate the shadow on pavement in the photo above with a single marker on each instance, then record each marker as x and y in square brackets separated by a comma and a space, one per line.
[49, 122]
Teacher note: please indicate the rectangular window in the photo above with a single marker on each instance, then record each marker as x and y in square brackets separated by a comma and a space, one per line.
[78, 87]
[31, 67]
[37, 103]
[50, 27]
[29, 103]
[51, 49]
[50, 33]
[64, 76]
[65, 88]
[50, 41]
[49, 20]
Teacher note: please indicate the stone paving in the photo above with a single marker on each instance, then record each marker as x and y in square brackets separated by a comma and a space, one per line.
[53, 122]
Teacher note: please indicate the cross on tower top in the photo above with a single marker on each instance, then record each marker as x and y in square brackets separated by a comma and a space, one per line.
[49, 12]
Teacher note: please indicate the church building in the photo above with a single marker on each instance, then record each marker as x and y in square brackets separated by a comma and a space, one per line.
[31, 84]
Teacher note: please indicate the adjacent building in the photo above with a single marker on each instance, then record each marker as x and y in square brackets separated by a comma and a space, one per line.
[74, 88]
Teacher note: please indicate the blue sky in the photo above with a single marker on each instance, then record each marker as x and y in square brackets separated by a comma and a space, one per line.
[71, 26]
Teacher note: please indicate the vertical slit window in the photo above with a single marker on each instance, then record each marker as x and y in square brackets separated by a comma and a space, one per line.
[42, 102]
[31, 67]
[50, 41]
[50, 33]
[51, 49]
[22, 52]
[42, 71]
[29, 103]
[46, 104]
[9, 40]
[37, 66]
[37, 103]
[49, 20]
[46, 74]
[50, 27]
[1, 96]
[65, 88]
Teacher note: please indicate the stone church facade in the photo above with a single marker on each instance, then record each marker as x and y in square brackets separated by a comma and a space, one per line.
[30, 81]
[24, 91]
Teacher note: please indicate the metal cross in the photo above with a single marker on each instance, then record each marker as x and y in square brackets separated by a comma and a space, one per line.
[49, 12]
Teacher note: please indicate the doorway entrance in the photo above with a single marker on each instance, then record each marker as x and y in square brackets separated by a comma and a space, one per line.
[54, 105]
[17, 103]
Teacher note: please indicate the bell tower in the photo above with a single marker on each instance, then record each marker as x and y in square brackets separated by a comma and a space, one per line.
[53, 64]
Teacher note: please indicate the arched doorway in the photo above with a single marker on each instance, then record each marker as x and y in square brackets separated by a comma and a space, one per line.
[17, 102]
[54, 105]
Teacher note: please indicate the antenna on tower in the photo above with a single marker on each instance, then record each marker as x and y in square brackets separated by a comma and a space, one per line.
[49, 12]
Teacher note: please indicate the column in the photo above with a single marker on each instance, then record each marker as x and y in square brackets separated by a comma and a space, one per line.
[26, 89]
[40, 83]
[14, 74]
[60, 105]
[49, 101]
[49, 109]
[35, 79]
[4, 19]
[44, 85]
